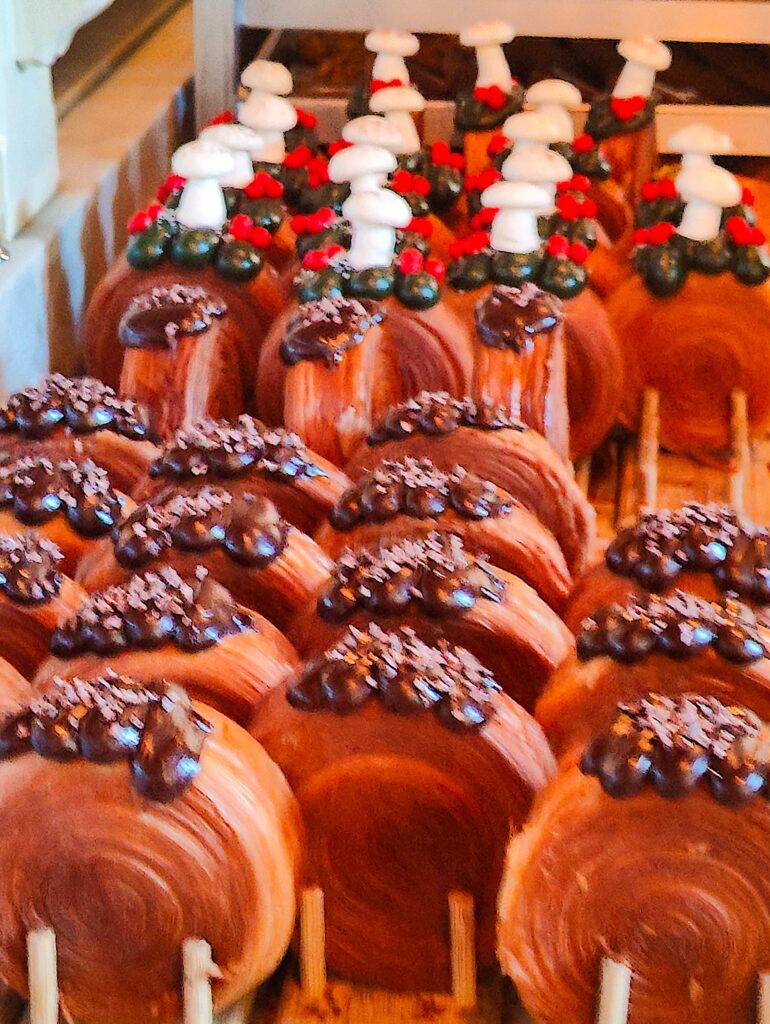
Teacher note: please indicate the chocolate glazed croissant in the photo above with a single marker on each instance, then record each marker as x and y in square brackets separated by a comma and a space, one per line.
[136, 820]
[435, 586]
[670, 645]
[247, 456]
[218, 651]
[483, 438]
[241, 539]
[411, 769]
[652, 853]
[73, 418]
[411, 497]
[702, 549]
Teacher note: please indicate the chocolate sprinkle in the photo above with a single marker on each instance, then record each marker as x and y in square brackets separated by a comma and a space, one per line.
[677, 743]
[35, 489]
[415, 487]
[224, 450]
[405, 674]
[161, 316]
[80, 404]
[509, 318]
[326, 329]
[28, 572]
[435, 413]
[678, 626]
[155, 727]
[151, 610]
[435, 572]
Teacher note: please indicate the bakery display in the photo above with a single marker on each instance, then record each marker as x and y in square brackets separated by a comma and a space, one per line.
[137, 820]
[389, 68]
[651, 852]
[411, 769]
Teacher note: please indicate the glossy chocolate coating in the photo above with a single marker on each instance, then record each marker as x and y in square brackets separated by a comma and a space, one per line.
[405, 674]
[114, 718]
[509, 318]
[151, 610]
[435, 572]
[36, 489]
[415, 487]
[161, 316]
[326, 329]
[80, 404]
[28, 571]
[435, 413]
[678, 743]
[678, 626]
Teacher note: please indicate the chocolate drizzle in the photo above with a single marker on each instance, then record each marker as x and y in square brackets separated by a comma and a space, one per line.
[415, 487]
[326, 329]
[676, 744]
[80, 404]
[435, 413]
[151, 610]
[694, 538]
[223, 450]
[161, 316]
[36, 489]
[405, 674]
[115, 718]
[28, 572]
[678, 626]
[246, 527]
[435, 572]
[509, 318]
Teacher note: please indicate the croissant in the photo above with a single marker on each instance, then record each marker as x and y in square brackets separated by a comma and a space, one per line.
[34, 597]
[703, 549]
[435, 586]
[460, 432]
[247, 456]
[197, 836]
[411, 497]
[218, 651]
[671, 645]
[241, 539]
[411, 769]
[64, 418]
[651, 853]
[71, 503]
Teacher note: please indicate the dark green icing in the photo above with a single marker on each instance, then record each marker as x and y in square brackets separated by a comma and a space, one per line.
[602, 123]
[474, 115]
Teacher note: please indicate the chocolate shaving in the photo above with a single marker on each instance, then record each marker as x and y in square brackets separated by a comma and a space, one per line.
[28, 572]
[509, 318]
[326, 329]
[435, 413]
[161, 316]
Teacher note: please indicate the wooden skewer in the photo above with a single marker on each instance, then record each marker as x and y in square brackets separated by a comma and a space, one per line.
[649, 445]
[763, 1001]
[614, 993]
[43, 979]
[462, 927]
[741, 452]
[312, 943]
[199, 968]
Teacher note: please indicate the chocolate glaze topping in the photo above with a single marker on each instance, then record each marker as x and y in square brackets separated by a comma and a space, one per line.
[415, 487]
[80, 404]
[435, 571]
[324, 330]
[437, 412]
[151, 610]
[678, 626]
[510, 317]
[223, 450]
[36, 489]
[115, 718]
[404, 673]
[677, 743]
[28, 571]
[162, 315]
[694, 538]
[247, 527]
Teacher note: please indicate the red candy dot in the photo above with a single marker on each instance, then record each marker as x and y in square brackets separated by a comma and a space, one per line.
[139, 222]
[578, 252]
[410, 261]
[747, 197]
[641, 236]
[667, 187]
[650, 191]
[583, 144]
[260, 237]
[241, 227]
[435, 268]
[557, 245]
[661, 233]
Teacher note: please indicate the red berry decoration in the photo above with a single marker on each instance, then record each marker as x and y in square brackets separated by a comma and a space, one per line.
[420, 185]
[420, 226]
[435, 268]
[491, 96]
[410, 261]
[264, 186]
[300, 225]
[241, 227]
[298, 157]
[588, 208]
[475, 243]
[260, 237]
[305, 119]
[625, 109]
[667, 188]
[470, 183]
[583, 143]
[402, 182]
[456, 249]
[661, 233]
[641, 236]
[314, 259]
[557, 245]
[335, 147]
[568, 206]
[758, 236]
[378, 83]
[578, 252]
[483, 218]
[497, 144]
[747, 197]
[650, 191]
[154, 210]
[739, 230]
[173, 183]
[139, 222]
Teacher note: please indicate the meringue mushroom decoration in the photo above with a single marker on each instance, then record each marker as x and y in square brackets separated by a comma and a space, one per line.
[266, 110]
[389, 68]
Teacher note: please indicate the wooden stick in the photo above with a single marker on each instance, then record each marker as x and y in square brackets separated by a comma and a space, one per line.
[312, 943]
[43, 979]
[741, 452]
[614, 993]
[649, 446]
[763, 1001]
[462, 928]
[199, 968]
